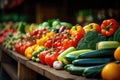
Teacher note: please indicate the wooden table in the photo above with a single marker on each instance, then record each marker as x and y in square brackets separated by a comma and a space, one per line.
[19, 67]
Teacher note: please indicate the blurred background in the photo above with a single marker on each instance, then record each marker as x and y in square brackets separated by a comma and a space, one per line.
[73, 11]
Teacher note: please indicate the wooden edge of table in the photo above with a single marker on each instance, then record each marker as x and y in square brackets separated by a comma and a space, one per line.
[44, 70]
[16, 56]
[52, 73]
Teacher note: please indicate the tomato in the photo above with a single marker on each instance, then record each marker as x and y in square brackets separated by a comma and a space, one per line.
[29, 43]
[48, 44]
[67, 43]
[17, 47]
[111, 71]
[64, 36]
[33, 33]
[22, 49]
[42, 56]
[57, 38]
[38, 36]
[51, 57]
[57, 44]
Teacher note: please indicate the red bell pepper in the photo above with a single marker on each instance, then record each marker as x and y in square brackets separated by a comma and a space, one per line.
[108, 27]
[51, 57]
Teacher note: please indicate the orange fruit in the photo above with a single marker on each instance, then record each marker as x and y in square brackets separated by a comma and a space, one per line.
[111, 71]
[117, 53]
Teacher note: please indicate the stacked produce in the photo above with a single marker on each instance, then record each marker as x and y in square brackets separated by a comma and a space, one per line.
[84, 51]
[12, 39]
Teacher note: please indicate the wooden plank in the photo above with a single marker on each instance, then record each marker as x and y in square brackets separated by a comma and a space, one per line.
[12, 55]
[39, 68]
[24, 73]
[11, 70]
[52, 73]
[16, 56]
[30, 68]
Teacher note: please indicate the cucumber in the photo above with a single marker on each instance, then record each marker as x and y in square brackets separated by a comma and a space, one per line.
[91, 61]
[73, 55]
[93, 72]
[62, 55]
[75, 70]
[107, 44]
[102, 53]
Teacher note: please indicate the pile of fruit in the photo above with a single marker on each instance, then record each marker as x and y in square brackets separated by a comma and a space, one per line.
[92, 51]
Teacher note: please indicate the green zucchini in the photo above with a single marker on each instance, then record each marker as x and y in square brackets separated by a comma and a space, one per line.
[93, 72]
[74, 54]
[107, 44]
[97, 53]
[75, 70]
[91, 61]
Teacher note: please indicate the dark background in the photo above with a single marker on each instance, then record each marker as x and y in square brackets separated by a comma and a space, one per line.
[65, 10]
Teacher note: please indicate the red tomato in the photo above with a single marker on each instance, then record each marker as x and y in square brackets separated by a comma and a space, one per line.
[57, 38]
[17, 47]
[48, 44]
[22, 49]
[42, 56]
[29, 43]
[50, 58]
[34, 32]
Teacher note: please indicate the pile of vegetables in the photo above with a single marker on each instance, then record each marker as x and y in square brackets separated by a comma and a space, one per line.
[80, 50]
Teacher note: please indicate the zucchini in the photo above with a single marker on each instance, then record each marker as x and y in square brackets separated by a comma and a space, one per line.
[93, 72]
[73, 55]
[62, 55]
[102, 53]
[75, 70]
[91, 61]
[107, 44]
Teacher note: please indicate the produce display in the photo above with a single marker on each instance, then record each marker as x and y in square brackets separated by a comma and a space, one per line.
[91, 51]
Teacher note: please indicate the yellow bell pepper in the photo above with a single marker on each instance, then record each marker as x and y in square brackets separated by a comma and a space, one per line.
[28, 52]
[76, 29]
[92, 26]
